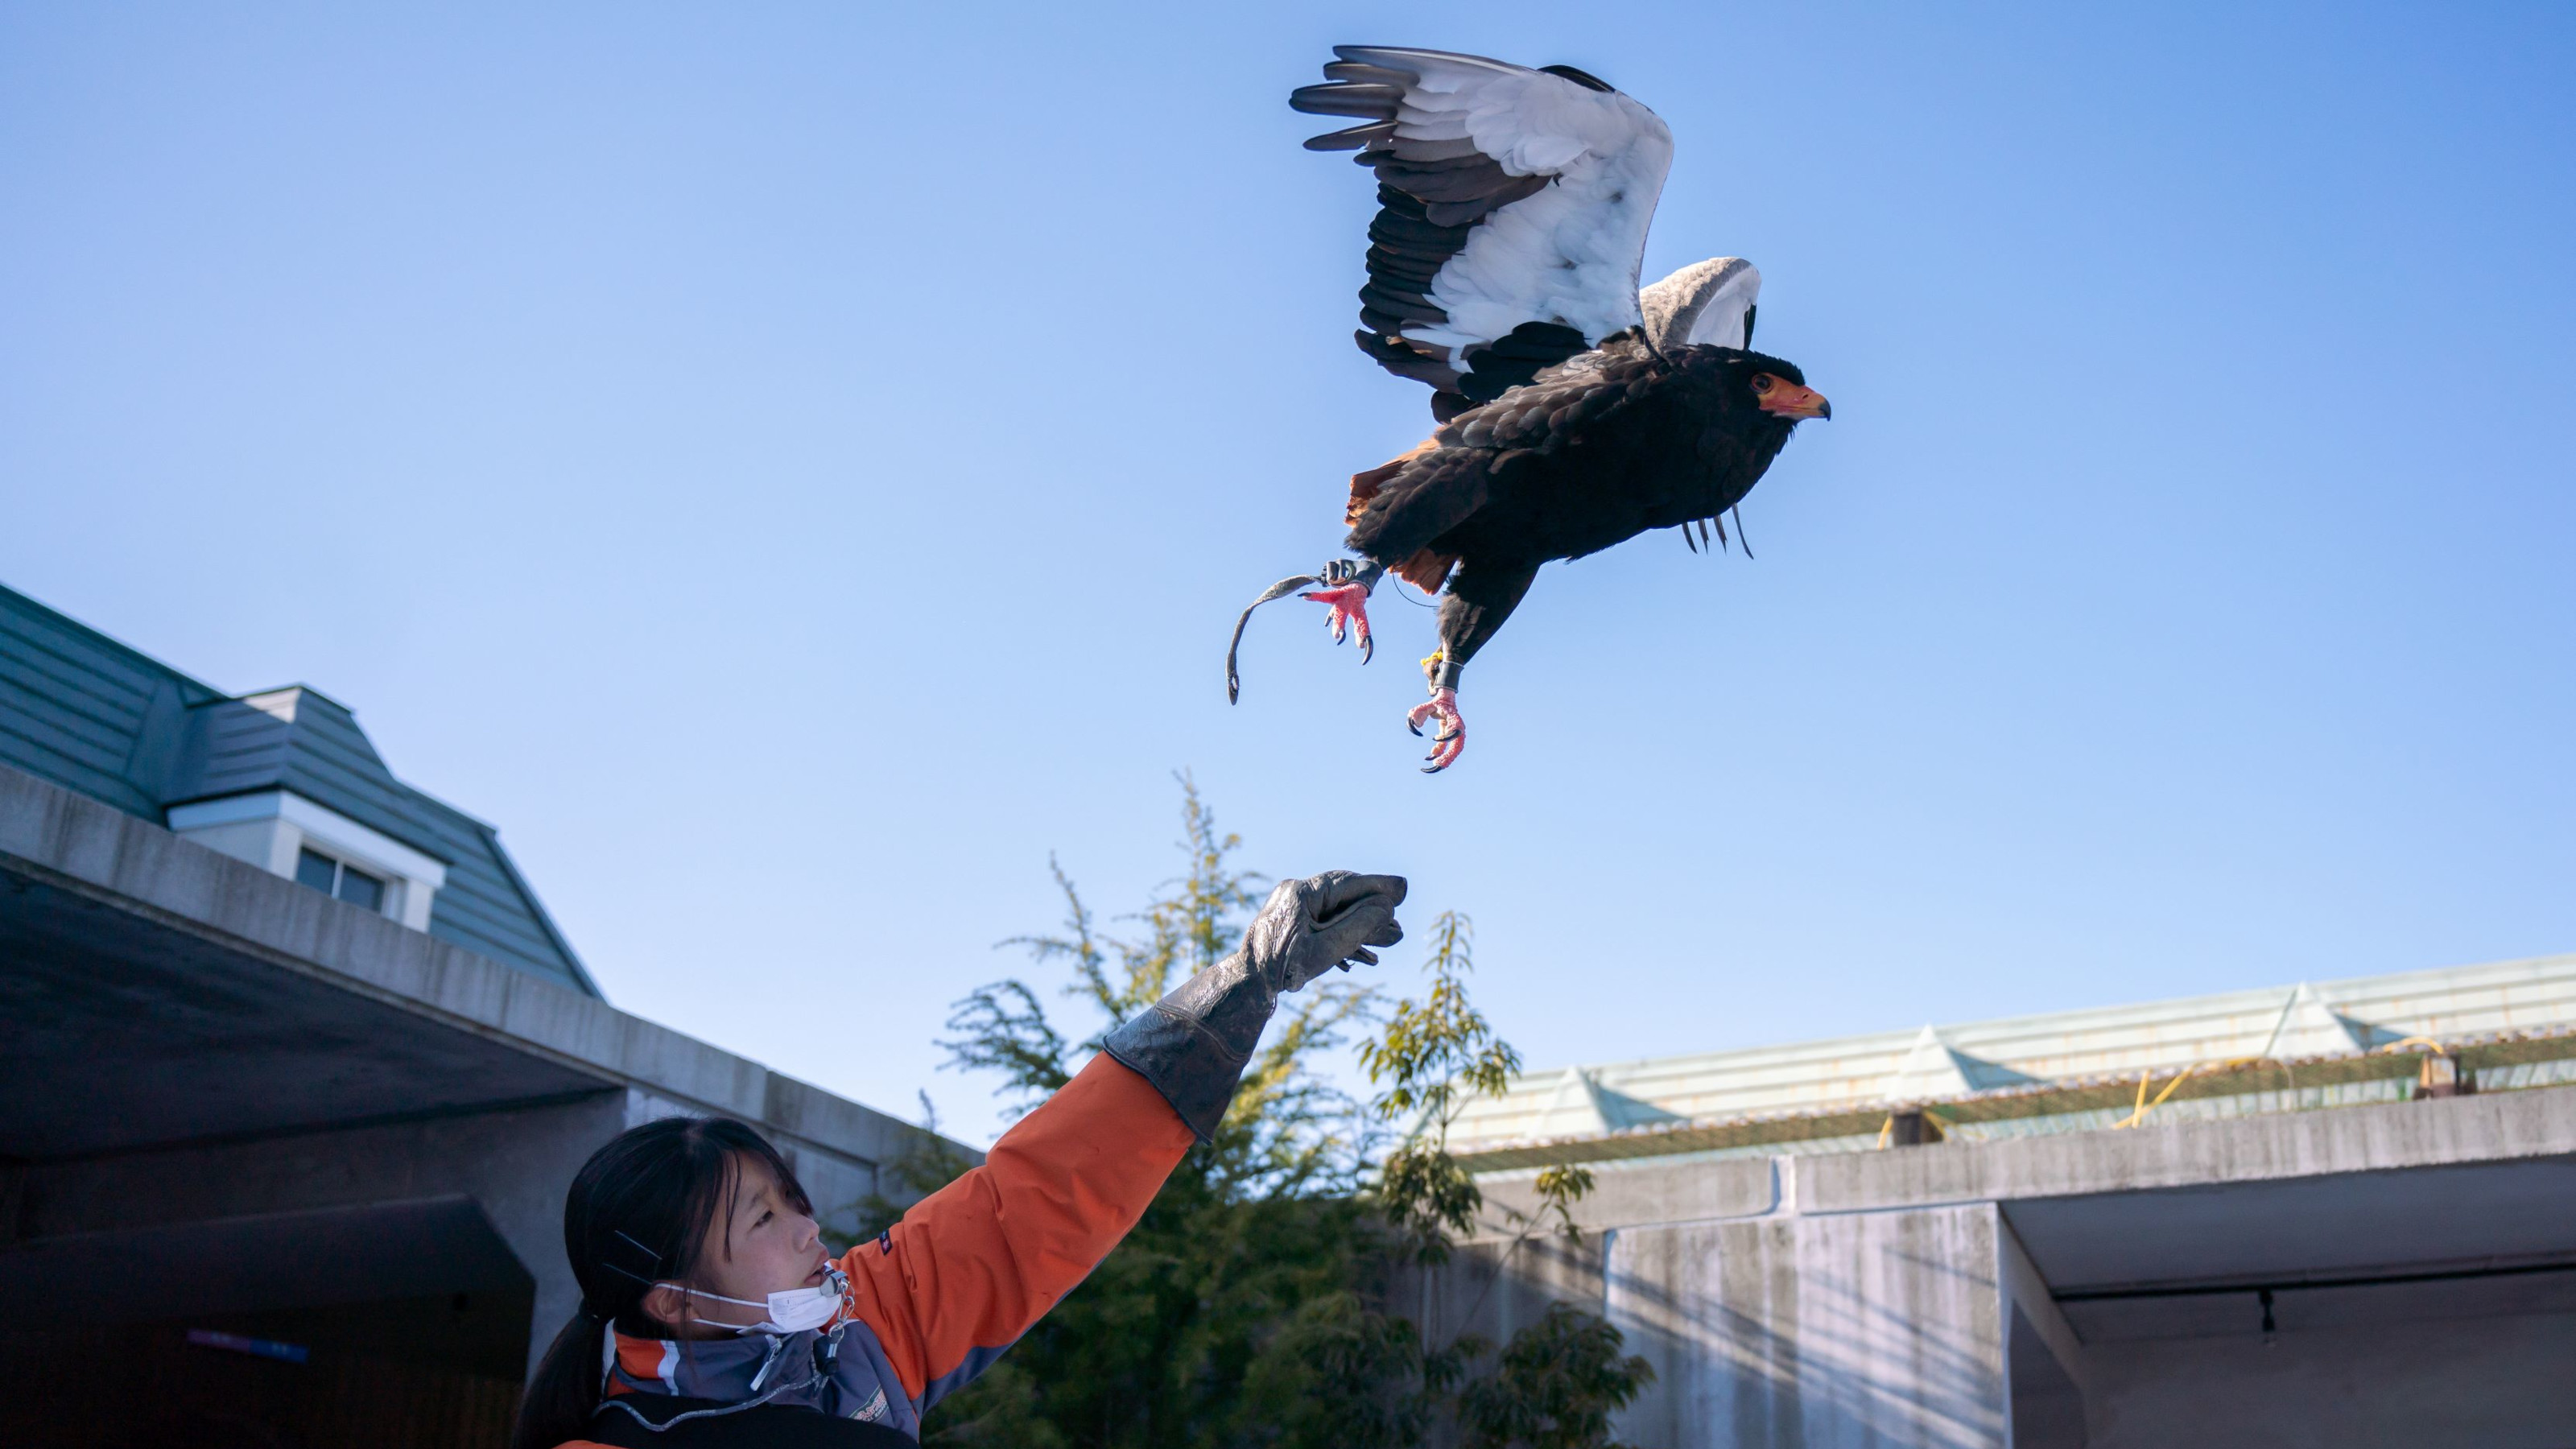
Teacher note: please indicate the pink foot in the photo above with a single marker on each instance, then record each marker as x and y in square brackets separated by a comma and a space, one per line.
[1349, 612]
[1447, 742]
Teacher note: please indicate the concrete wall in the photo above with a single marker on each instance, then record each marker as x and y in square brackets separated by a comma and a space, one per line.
[232, 1094]
[1766, 1324]
[1843, 1332]
[2379, 1383]
[78, 1222]
[66, 840]
[2088, 1289]
[513, 1165]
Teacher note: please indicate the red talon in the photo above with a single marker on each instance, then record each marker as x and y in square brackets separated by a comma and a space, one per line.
[1450, 740]
[1349, 612]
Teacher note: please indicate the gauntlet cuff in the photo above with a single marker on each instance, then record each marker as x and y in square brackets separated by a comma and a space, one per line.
[1194, 1044]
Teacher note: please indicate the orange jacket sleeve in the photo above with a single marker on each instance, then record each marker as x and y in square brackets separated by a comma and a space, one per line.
[971, 1266]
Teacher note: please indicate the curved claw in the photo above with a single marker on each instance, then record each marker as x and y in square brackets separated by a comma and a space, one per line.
[1450, 741]
[1349, 612]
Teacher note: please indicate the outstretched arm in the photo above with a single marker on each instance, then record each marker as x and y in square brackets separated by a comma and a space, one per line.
[970, 1267]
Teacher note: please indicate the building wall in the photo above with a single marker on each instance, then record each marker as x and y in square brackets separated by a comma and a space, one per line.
[1766, 1325]
[240, 1105]
[1855, 1331]
[2377, 1383]
[515, 1166]
[2092, 1289]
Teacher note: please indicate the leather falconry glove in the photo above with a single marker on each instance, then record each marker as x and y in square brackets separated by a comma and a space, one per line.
[1194, 1044]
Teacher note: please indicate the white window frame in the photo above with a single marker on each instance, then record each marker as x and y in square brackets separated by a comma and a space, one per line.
[270, 828]
[341, 869]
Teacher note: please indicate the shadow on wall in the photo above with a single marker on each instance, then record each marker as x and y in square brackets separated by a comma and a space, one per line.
[1851, 1331]
[1496, 1290]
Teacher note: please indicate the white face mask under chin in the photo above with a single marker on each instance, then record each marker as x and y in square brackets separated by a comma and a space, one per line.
[791, 1310]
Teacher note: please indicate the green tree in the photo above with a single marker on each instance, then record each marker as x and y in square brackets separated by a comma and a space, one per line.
[1245, 1307]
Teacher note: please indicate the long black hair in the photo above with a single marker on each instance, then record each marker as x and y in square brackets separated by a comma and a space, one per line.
[638, 1215]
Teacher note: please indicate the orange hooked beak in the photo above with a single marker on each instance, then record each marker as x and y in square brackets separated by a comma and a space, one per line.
[1785, 399]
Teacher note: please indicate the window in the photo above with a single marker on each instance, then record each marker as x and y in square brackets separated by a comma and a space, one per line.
[282, 832]
[339, 878]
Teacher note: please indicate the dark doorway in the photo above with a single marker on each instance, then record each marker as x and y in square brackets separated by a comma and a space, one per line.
[407, 1373]
[390, 1326]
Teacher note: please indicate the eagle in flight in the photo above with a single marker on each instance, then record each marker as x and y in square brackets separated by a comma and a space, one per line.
[1574, 410]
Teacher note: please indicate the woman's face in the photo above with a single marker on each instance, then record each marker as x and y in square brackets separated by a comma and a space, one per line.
[763, 1245]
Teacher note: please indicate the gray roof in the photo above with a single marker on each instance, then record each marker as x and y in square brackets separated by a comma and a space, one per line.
[1672, 1104]
[90, 714]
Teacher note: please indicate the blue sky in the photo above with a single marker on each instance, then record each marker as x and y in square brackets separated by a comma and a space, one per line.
[794, 467]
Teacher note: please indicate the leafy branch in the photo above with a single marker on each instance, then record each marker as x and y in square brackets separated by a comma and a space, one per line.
[1246, 1306]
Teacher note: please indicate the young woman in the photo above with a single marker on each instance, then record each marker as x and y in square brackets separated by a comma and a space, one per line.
[712, 1316]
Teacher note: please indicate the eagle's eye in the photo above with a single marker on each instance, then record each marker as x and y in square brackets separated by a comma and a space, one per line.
[1761, 383]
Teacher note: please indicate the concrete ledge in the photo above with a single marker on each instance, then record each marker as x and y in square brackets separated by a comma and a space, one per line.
[78, 844]
[1628, 1197]
[2506, 1125]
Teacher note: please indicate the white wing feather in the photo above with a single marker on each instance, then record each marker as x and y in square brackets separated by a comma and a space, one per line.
[1707, 303]
[1567, 254]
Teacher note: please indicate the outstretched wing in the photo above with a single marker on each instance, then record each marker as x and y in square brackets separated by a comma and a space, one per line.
[1513, 212]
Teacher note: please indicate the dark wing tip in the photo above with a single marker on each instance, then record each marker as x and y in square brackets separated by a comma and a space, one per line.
[1357, 138]
[1353, 70]
[1347, 98]
[1585, 79]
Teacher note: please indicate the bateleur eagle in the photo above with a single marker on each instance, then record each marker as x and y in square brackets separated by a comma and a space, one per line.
[1575, 411]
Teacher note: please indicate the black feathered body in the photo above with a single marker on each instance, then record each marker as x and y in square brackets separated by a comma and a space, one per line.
[1589, 454]
[1513, 208]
